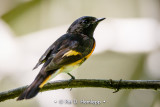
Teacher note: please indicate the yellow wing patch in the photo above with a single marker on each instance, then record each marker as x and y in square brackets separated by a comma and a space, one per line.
[71, 53]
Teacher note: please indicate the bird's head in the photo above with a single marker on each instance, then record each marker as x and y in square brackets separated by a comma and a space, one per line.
[84, 25]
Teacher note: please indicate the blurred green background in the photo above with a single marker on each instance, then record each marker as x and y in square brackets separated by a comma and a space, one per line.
[128, 44]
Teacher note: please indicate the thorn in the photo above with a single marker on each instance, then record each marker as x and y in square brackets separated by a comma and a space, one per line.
[70, 89]
[118, 86]
[155, 88]
[111, 82]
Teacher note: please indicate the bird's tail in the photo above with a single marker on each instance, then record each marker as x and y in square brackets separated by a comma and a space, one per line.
[36, 85]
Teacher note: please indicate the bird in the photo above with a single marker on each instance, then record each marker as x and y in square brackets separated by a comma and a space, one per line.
[67, 53]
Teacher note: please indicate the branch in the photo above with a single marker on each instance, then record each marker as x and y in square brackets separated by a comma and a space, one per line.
[81, 83]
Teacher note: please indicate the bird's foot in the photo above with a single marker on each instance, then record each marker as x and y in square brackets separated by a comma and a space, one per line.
[70, 80]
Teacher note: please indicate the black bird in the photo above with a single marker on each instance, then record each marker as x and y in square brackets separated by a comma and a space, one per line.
[65, 54]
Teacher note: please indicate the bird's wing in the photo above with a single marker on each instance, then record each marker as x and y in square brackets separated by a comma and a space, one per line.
[60, 49]
[53, 48]
[66, 55]
[45, 56]
[69, 52]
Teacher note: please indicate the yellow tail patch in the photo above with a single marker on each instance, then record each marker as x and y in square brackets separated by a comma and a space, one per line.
[42, 84]
[71, 53]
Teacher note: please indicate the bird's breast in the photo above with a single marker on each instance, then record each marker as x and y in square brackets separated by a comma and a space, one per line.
[72, 66]
[87, 56]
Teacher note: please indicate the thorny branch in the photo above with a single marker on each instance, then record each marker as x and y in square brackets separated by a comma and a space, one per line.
[82, 83]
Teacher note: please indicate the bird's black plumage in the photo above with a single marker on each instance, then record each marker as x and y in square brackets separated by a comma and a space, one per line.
[65, 54]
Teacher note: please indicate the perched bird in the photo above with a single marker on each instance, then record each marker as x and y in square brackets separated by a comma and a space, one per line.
[65, 54]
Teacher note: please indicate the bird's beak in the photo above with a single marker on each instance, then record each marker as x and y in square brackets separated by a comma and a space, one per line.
[100, 19]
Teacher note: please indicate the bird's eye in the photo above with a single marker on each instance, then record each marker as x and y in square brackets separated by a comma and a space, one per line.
[84, 21]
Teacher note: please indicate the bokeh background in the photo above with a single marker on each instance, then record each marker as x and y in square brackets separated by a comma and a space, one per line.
[128, 47]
